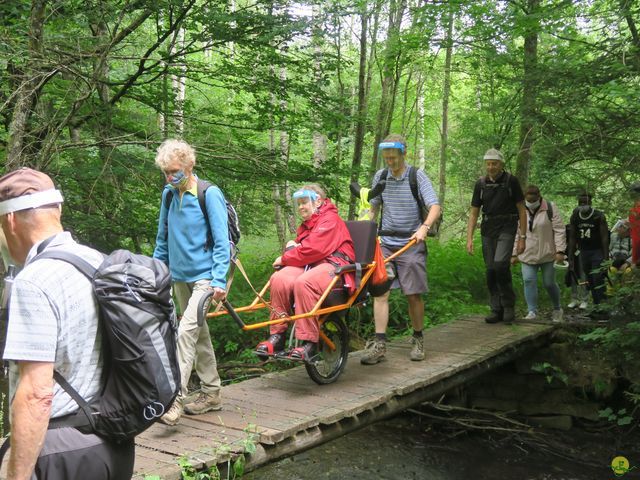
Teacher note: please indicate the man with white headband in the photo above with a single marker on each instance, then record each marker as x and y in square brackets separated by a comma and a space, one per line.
[52, 325]
[402, 217]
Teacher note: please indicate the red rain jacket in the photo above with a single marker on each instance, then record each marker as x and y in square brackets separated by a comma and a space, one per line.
[320, 237]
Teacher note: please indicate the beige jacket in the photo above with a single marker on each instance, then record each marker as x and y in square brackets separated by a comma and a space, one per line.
[545, 238]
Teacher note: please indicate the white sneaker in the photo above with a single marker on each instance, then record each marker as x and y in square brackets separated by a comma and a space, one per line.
[557, 316]
[573, 304]
[583, 305]
[531, 316]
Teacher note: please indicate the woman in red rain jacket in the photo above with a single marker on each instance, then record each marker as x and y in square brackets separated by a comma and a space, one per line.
[305, 269]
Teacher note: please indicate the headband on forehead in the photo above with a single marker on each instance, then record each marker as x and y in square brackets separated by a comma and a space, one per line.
[385, 145]
[34, 200]
[306, 193]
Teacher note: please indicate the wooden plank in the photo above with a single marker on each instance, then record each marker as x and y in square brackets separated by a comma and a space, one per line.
[281, 405]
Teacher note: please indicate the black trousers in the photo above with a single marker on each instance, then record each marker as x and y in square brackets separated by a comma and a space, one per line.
[68, 454]
[591, 262]
[496, 251]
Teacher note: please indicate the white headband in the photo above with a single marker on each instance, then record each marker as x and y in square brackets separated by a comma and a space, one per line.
[33, 200]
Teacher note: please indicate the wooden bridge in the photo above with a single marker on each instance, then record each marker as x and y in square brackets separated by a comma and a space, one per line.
[282, 413]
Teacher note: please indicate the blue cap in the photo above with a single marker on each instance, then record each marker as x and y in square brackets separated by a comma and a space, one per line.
[385, 145]
[306, 193]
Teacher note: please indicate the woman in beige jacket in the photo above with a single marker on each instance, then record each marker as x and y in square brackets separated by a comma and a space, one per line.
[546, 244]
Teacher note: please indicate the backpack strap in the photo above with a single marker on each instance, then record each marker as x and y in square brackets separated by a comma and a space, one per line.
[202, 192]
[81, 264]
[413, 183]
[88, 271]
[383, 177]
[549, 210]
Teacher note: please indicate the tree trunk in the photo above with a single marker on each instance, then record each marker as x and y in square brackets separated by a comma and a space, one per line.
[362, 107]
[446, 91]
[27, 90]
[179, 86]
[390, 72]
[319, 137]
[529, 91]
[420, 122]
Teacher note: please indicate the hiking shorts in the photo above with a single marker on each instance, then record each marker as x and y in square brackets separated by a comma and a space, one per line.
[410, 269]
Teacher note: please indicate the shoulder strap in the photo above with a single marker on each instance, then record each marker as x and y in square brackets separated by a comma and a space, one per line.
[383, 177]
[549, 210]
[88, 271]
[168, 197]
[413, 183]
[81, 264]
[203, 185]
[202, 191]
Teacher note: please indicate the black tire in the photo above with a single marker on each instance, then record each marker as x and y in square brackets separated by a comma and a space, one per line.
[327, 365]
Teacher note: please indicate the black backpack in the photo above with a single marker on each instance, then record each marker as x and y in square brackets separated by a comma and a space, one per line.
[413, 184]
[232, 215]
[139, 339]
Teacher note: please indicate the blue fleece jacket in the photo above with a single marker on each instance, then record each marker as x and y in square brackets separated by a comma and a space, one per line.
[182, 248]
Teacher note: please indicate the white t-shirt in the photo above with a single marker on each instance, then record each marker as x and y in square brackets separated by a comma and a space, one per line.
[53, 317]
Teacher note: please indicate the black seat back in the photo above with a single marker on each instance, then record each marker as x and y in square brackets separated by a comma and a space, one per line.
[363, 234]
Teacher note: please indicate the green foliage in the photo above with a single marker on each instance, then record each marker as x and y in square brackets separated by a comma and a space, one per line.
[620, 338]
[189, 472]
[551, 372]
[620, 418]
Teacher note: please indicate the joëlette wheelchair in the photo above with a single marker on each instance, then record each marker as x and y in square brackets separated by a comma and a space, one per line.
[332, 308]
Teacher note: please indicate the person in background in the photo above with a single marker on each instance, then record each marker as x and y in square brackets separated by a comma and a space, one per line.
[53, 326]
[546, 244]
[589, 235]
[634, 224]
[503, 219]
[402, 219]
[576, 280]
[305, 270]
[620, 255]
[196, 268]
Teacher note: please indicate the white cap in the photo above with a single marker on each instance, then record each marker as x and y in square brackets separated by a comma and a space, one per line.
[493, 154]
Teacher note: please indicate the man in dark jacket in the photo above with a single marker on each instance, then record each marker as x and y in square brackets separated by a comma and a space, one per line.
[500, 196]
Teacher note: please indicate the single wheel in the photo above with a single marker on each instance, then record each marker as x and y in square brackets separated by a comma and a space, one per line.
[329, 363]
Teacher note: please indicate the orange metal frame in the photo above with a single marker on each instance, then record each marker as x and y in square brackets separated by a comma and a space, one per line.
[259, 303]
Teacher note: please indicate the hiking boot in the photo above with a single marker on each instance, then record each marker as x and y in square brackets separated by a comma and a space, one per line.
[508, 316]
[583, 305]
[204, 402]
[374, 352]
[272, 346]
[494, 317]
[417, 352]
[531, 316]
[573, 304]
[557, 316]
[172, 417]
